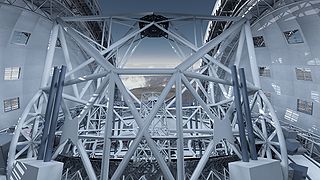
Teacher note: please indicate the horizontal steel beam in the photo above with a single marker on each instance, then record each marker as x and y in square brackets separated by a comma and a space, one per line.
[221, 102]
[82, 79]
[153, 137]
[207, 78]
[137, 17]
[217, 80]
[144, 71]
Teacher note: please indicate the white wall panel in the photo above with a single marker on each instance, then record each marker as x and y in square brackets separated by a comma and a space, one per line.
[29, 57]
[283, 58]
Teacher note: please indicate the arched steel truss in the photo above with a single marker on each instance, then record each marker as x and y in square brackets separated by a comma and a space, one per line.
[98, 125]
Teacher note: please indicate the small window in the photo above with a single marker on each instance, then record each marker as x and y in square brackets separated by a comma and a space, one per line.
[291, 115]
[304, 106]
[11, 104]
[12, 73]
[258, 41]
[276, 88]
[293, 37]
[264, 71]
[303, 74]
[20, 37]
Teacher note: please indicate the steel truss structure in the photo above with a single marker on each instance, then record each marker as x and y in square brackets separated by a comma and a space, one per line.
[106, 120]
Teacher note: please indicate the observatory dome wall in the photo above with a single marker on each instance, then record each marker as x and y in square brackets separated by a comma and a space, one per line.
[28, 56]
[289, 62]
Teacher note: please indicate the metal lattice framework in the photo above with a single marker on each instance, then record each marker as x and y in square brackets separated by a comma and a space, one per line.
[106, 120]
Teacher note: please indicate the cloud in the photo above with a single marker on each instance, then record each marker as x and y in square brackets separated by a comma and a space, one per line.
[132, 82]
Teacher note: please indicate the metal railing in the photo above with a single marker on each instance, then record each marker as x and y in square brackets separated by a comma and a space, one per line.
[309, 140]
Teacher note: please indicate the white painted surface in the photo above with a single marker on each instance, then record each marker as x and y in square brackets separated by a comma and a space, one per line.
[283, 58]
[39, 170]
[262, 169]
[29, 57]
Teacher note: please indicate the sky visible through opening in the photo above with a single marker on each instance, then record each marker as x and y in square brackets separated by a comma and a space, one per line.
[157, 52]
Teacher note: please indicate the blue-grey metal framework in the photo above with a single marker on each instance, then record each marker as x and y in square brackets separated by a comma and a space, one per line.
[93, 132]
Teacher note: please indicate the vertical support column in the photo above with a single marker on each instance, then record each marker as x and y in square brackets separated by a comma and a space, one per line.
[108, 131]
[179, 127]
[46, 73]
[49, 56]
[252, 145]
[109, 32]
[103, 32]
[252, 55]
[239, 48]
[55, 113]
[211, 85]
[202, 40]
[311, 149]
[48, 114]
[237, 100]
[195, 32]
[67, 59]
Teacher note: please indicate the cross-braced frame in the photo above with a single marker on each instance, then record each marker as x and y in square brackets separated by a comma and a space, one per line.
[104, 119]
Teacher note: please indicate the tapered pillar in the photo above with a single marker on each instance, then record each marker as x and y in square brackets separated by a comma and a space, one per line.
[237, 100]
[179, 126]
[252, 55]
[108, 131]
[47, 117]
[244, 92]
[50, 53]
[55, 113]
